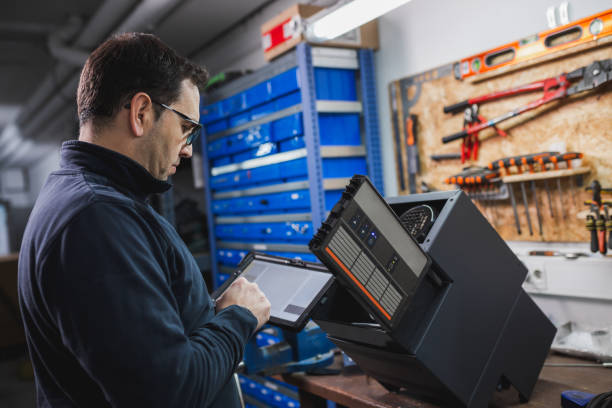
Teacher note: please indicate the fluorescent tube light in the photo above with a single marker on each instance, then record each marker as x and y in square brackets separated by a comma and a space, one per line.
[347, 17]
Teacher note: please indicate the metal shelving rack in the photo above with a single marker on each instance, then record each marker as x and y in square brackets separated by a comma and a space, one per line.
[305, 58]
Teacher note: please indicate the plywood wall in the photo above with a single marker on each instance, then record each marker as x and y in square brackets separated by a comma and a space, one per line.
[580, 123]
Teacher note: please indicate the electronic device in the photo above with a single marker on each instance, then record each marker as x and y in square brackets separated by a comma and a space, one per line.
[378, 260]
[460, 325]
[292, 286]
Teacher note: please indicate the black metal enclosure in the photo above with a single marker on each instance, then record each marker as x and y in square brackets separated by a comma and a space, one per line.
[470, 326]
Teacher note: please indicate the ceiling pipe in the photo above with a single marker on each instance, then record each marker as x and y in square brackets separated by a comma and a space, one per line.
[146, 14]
[49, 103]
[58, 43]
[100, 25]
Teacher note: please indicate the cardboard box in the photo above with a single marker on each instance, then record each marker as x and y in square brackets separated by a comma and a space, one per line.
[283, 32]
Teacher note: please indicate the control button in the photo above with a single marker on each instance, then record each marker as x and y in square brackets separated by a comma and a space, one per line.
[392, 263]
[355, 220]
[364, 229]
[372, 238]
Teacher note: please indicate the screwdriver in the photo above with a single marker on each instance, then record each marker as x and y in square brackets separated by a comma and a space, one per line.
[506, 163]
[600, 225]
[608, 225]
[590, 226]
[554, 159]
[413, 153]
[529, 160]
[472, 178]
[482, 181]
[567, 158]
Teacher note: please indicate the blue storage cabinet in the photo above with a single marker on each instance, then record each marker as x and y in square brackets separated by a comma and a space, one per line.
[279, 146]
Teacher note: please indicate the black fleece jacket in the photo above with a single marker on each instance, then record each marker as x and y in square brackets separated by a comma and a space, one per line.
[115, 309]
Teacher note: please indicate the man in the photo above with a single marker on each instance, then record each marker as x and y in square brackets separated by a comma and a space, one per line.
[115, 309]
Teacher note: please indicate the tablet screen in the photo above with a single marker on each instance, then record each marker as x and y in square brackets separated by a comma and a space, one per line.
[292, 291]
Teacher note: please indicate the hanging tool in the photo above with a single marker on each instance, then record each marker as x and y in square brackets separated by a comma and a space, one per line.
[548, 195]
[526, 205]
[555, 159]
[600, 225]
[396, 133]
[529, 161]
[590, 226]
[413, 151]
[598, 190]
[506, 163]
[566, 255]
[475, 178]
[471, 143]
[600, 220]
[608, 225]
[445, 156]
[567, 158]
[589, 77]
[513, 202]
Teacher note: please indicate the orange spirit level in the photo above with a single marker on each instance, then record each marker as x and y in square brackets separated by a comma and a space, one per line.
[570, 35]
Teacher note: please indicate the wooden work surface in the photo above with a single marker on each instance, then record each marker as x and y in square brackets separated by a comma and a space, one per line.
[354, 389]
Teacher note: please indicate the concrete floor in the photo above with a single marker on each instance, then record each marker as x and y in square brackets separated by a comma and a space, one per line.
[15, 392]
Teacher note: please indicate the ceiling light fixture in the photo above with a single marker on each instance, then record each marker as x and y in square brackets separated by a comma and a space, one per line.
[345, 16]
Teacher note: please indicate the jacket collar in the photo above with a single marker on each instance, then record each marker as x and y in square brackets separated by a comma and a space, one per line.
[78, 155]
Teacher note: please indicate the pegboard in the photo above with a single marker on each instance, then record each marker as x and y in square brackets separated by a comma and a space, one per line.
[581, 123]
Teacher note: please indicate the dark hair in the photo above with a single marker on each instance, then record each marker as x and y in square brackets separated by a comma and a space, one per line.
[127, 64]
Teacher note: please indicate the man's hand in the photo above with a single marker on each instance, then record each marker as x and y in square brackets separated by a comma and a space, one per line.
[246, 294]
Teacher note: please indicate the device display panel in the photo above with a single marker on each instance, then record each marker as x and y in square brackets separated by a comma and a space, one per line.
[293, 287]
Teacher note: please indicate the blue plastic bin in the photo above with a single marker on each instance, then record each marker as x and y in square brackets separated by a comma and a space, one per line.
[239, 119]
[339, 129]
[332, 197]
[211, 113]
[216, 127]
[344, 166]
[222, 161]
[221, 277]
[335, 84]
[262, 150]
[217, 148]
[287, 201]
[263, 110]
[296, 231]
[287, 101]
[230, 257]
[287, 127]
[257, 94]
[284, 83]
[296, 142]
[234, 104]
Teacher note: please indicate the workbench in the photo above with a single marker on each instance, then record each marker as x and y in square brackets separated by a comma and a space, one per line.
[354, 389]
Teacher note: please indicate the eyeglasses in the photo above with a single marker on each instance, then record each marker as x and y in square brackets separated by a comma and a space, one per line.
[195, 131]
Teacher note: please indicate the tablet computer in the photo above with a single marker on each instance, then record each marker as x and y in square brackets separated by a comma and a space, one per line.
[292, 286]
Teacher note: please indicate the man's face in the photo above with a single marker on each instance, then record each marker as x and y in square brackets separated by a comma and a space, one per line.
[169, 135]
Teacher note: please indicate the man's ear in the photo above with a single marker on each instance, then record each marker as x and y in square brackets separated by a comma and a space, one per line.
[141, 114]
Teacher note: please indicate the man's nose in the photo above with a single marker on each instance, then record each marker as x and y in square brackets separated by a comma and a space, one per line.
[186, 151]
